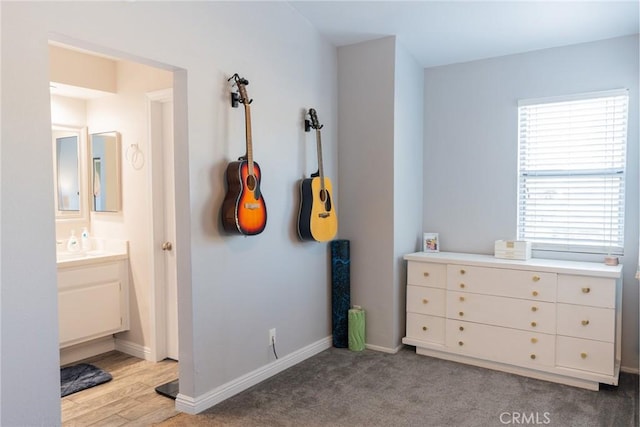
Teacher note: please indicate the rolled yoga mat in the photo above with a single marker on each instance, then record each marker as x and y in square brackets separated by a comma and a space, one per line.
[340, 292]
[356, 328]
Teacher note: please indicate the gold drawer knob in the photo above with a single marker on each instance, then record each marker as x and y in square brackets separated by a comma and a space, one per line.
[533, 356]
[460, 343]
[586, 290]
[585, 322]
[461, 313]
[536, 278]
[424, 300]
[424, 328]
[534, 340]
[425, 274]
[461, 298]
[534, 293]
[534, 324]
[583, 355]
[461, 328]
[462, 271]
[461, 285]
[534, 308]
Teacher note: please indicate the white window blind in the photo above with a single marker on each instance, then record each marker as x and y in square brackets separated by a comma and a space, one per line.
[571, 168]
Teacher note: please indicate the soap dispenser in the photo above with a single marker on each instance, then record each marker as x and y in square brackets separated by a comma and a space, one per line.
[72, 243]
[84, 239]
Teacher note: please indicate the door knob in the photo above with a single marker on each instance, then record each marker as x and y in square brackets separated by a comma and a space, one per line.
[167, 246]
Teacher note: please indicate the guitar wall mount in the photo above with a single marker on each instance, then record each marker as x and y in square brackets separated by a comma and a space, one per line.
[235, 99]
[235, 96]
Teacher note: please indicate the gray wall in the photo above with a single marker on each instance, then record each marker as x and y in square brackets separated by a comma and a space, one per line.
[470, 170]
[234, 288]
[380, 131]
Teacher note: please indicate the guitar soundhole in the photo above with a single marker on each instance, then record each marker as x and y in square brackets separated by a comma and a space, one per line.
[323, 195]
[251, 182]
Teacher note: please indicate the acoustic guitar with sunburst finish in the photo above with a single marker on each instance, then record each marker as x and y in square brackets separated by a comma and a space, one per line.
[317, 218]
[243, 209]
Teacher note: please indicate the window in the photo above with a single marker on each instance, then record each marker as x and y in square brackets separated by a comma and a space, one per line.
[571, 172]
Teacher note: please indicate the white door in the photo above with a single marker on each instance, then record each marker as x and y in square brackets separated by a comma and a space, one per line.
[170, 232]
[163, 201]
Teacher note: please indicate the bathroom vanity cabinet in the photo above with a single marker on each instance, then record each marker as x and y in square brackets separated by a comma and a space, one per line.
[93, 298]
[554, 320]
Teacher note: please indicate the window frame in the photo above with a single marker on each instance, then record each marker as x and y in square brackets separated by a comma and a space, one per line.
[527, 178]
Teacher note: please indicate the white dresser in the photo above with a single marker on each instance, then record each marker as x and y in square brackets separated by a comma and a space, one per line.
[554, 320]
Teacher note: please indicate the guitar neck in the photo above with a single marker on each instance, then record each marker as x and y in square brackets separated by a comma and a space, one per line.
[247, 115]
[320, 167]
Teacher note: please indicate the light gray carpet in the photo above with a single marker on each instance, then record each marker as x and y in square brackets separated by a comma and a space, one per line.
[342, 388]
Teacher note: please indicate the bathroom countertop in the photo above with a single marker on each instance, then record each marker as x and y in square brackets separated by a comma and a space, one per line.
[91, 257]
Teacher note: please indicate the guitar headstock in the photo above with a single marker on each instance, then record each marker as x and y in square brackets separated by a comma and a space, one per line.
[241, 84]
[314, 119]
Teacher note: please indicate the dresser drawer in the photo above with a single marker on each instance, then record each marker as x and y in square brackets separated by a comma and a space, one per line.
[583, 290]
[425, 328]
[514, 313]
[586, 355]
[537, 286]
[426, 300]
[426, 274]
[500, 344]
[586, 322]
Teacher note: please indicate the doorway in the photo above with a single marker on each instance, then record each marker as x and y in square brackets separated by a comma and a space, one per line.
[147, 159]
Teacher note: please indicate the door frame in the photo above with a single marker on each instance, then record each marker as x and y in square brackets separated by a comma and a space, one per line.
[158, 309]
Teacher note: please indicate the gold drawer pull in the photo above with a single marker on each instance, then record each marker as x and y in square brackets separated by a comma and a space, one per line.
[462, 271]
[536, 278]
[461, 285]
[534, 293]
[583, 355]
[533, 356]
[534, 340]
[461, 313]
[424, 328]
[425, 274]
[461, 328]
[424, 300]
[460, 343]
[461, 298]
[534, 324]
[586, 290]
[585, 322]
[534, 308]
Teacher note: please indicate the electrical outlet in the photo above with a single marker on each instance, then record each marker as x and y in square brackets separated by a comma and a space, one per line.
[272, 336]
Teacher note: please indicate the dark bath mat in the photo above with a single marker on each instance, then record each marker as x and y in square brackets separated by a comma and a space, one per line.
[169, 389]
[80, 377]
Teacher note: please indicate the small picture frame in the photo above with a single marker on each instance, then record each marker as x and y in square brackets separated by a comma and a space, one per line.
[430, 242]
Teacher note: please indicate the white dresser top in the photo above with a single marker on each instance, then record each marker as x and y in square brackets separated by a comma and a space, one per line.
[537, 264]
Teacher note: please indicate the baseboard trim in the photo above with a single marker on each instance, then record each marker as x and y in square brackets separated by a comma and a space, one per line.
[85, 350]
[383, 349]
[629, 370]
[133, 349]
[193, 406]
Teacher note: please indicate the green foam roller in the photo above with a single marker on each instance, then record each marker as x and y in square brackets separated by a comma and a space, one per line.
[356, 329]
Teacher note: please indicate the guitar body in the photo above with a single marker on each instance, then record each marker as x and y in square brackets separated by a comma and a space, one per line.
[243, 209]
[317, 219]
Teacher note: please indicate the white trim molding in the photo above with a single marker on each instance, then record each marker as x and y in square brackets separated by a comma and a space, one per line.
[134, 349]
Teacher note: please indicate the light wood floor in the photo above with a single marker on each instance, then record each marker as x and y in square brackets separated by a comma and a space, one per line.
[129, 399]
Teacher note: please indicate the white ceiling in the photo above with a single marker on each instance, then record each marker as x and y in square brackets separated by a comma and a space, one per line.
[446, 32]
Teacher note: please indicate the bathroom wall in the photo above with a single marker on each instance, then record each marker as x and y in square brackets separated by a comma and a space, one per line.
[124, 111]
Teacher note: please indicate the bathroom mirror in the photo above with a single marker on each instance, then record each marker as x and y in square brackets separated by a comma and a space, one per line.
[105, 171]
[67, 177]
